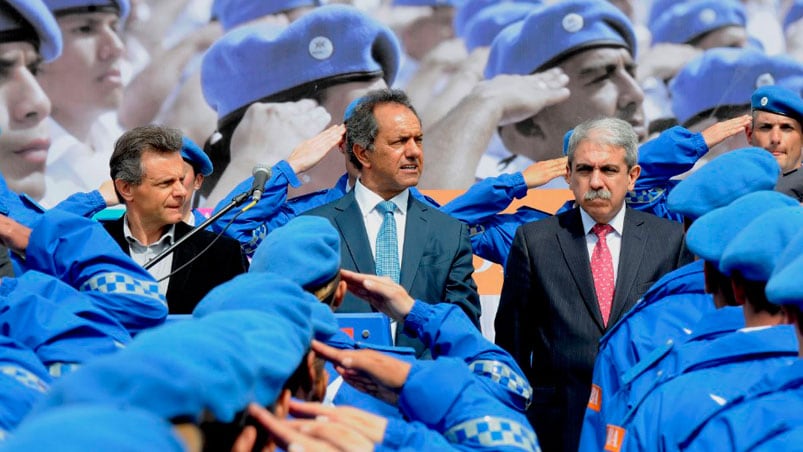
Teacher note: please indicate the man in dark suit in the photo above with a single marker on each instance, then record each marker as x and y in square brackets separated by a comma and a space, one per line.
[387, 232]
[569, 278]
[153, 181]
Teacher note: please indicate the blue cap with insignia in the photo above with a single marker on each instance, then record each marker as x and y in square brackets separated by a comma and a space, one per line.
[755, 249]
[30, 20]
[96, 427]
[723, 180]
[710, 235]
[62, 7]
[232, 13]
[470, 8]
[548, 35]
[685, 21]
[697, 89]
[778, 100]
[330, 45]
[481, 30]
[195, 156]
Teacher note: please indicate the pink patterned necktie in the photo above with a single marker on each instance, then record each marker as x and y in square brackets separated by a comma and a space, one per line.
[602, 270]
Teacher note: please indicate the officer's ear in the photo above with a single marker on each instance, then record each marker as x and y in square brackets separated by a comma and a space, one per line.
[282, 406]
[739, 290]
[340, 295]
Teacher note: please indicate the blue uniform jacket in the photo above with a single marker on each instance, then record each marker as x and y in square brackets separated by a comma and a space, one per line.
[671, 153]
[660, 365]
[708, 379]
[59, 323]
[80, 253]
[445, 396]
[23, 382]
[668, 311]
[770, 407]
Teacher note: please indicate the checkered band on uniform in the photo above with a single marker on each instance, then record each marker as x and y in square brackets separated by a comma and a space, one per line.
[25, 377]
[493, 431]
[505, 376]
[114, 282]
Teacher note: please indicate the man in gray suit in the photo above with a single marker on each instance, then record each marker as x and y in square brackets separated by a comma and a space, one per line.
[569, 278]
[387, 232]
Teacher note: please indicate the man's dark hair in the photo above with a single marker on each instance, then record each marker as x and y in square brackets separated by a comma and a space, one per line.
[126, 161]
[754, 293]
[361, 126]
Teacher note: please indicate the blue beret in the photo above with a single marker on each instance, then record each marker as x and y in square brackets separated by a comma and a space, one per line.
[268, 293]
[710, 234]
[232, 13]
[566, 137]
[276, 345]
[350, 108]
[481, 30]
[468, 9]
[23, 382]
[62, 6]
[755, 249]
[180, 369]
[778, 100]
[698, 86]
[784, 286]
[794, 14]
[256, 61]
[723, 180]
[793, 250]
[37, 16]
[685, 21]
[195, 156]
[96, 427]
[309, 247]
[549, 34]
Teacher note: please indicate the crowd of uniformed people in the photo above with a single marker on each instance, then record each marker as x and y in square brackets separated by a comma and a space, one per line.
[131, 321]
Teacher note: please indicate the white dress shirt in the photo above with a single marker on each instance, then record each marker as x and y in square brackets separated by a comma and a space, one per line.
[141, 254]
[367, 200]
[613, 239]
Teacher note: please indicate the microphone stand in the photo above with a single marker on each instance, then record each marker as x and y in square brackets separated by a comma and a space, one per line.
[236, 201]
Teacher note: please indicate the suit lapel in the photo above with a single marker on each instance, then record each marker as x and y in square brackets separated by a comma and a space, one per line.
[355, 240]
[115, 229]
[630, 257]
[415, 226]
[181, 256]
[572, 242]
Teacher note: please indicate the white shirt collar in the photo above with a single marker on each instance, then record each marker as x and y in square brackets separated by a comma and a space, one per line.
[367, 200]
[165, 239]
[618, 221]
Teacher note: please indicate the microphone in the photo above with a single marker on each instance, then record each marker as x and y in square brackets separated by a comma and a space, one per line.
[261, 175]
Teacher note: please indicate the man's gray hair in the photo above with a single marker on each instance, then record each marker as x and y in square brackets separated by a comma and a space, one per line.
[126, 160]
[608, 131]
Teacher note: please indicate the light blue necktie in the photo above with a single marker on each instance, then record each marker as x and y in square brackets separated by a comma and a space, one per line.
[387, 247]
